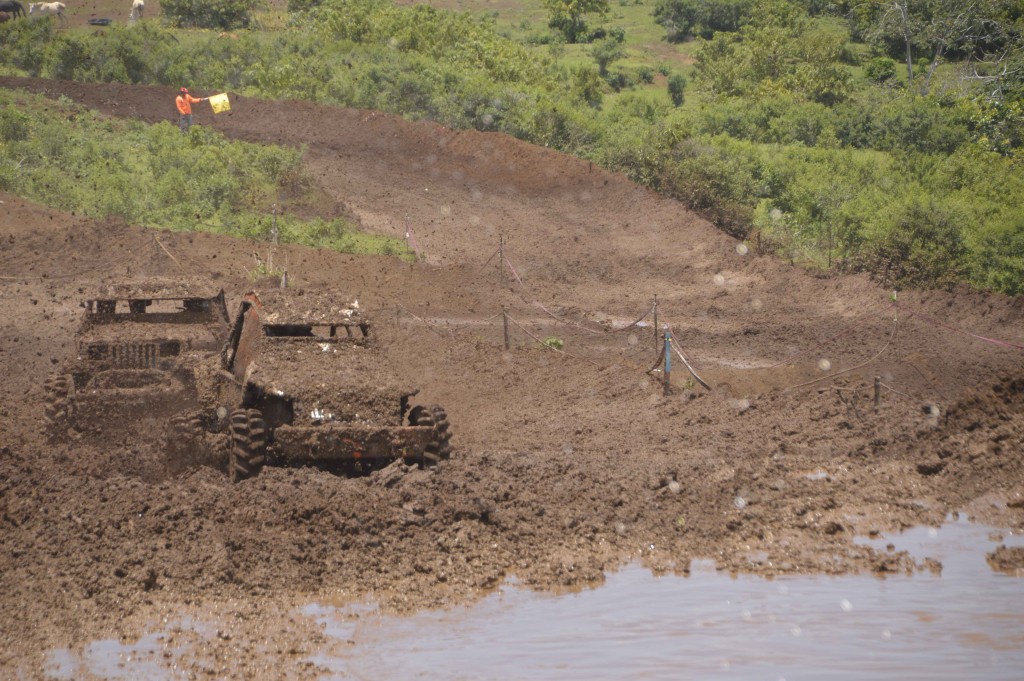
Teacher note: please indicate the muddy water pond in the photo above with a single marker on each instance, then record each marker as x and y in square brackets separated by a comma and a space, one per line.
[967, 623]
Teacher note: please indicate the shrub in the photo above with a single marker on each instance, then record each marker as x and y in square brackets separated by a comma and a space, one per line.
[880, 69]
[917, 243]
[676, 88]
[222, 15]
[605, 52]
[14, 125]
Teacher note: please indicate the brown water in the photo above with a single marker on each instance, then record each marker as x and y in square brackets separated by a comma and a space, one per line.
[967, 623]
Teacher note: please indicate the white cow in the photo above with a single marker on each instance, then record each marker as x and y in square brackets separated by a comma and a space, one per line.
[138, 7]
[45, 8]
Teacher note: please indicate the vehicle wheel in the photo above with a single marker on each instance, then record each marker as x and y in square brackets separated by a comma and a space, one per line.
[248, 443]
[434, 416]
[184, 441]
[59, 391]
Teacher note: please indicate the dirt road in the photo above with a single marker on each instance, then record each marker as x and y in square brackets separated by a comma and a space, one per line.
[566, 465]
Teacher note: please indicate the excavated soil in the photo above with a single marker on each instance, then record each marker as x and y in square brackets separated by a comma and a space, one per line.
[566, 464]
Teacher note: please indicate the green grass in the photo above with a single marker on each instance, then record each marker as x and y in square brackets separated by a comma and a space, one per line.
[73, 159]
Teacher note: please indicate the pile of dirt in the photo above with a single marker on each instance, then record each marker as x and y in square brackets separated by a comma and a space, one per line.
[566, 465]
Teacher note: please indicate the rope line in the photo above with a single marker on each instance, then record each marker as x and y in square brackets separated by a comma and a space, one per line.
[551, 314]
[853, 368]
[936, 322]
[528, 333]
[849, 328]
[411, 238]
[514, 273]
[627, 328]
[420, 319]
[690, 368]
[460, 327]
[892, 389]
[549, 347]
[490, 259]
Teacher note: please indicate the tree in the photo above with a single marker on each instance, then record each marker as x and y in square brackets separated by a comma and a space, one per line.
[938, 28]
[568, 16]
[701, 17]
[605, 52]
[676, 88]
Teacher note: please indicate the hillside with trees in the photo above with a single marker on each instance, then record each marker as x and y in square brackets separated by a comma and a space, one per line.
[880, 136]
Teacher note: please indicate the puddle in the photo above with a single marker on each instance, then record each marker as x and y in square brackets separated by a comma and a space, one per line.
[967, 622]
[146, 658]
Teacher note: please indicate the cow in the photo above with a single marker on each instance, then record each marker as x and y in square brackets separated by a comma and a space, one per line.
[138, 7]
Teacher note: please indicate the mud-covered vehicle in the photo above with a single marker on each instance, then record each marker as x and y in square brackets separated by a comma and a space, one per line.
[138, 346]
[302, 382]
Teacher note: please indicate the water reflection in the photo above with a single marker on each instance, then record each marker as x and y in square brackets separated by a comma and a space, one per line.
[967, 623]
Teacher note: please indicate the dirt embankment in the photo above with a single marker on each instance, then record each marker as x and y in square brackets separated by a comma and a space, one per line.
[566, 464]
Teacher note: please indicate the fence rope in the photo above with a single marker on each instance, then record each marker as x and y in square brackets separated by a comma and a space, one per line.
[690, 368]
[936, 322]
[490, 259]
[420, 319]
[551, 314]
[892, 389]
[848, 328]
[549, 347]
[514, 273]
[853, 368]
[678, 347]
[411, 238]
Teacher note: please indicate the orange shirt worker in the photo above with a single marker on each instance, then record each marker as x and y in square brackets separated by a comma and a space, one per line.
[185, 102]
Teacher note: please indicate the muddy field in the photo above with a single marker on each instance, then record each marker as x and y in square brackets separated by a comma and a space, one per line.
[566, 464]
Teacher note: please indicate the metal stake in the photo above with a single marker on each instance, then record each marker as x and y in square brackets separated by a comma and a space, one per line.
[668, 362]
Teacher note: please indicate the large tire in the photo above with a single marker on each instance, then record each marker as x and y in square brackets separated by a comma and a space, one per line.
[439, 448]
[248, 444]
[59, 393]
[184, 442]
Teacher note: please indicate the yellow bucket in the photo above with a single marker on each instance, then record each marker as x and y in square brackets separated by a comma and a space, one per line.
[220, 103]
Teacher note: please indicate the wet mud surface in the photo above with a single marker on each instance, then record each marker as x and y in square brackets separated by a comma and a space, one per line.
[565, 465]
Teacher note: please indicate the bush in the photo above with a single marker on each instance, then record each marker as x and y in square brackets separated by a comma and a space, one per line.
[681, 18]
[14, 125]
[676, 88]
[880, 69]
[918, 243]
[221, 15]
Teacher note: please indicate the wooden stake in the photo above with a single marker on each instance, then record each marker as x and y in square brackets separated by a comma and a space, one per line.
[656, 339]
[501, 259]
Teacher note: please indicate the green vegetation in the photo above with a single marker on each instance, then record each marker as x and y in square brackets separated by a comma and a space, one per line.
[218, 14]
[568, 17]
[76, 160]
[554, 343]
[879, 136]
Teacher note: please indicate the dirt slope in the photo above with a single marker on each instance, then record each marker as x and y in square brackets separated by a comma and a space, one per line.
[566, 465]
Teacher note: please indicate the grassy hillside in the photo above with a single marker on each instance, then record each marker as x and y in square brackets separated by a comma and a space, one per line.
[70, 158]
[797, 129]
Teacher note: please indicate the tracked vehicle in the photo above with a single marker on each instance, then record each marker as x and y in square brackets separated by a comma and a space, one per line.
[303, 382]
[138, 346]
